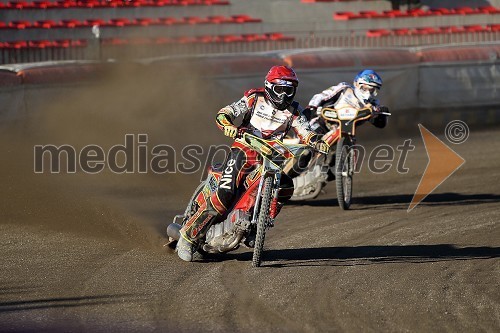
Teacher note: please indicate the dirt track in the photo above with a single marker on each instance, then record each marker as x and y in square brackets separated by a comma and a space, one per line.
[83, 252]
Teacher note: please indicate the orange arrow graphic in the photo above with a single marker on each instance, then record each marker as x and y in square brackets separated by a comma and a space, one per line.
[443, 162]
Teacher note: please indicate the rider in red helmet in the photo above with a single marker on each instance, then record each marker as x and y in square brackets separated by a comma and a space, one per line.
[269, 113]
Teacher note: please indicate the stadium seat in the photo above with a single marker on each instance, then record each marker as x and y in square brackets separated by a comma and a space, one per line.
[489, 10]
[18, 4]
[71, 23]
[44, 24]
[118, 22]
[378, 33]
[19, 24]
[494, 27]
[16, 45]
[401, 32]
[144, 21]
[43, 4]
[244, 18]
[40, 44]
[92, 22]
[279, 36]
[475, 28]
[342, 16]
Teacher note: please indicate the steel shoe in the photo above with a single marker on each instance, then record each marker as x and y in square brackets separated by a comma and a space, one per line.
[185, 248]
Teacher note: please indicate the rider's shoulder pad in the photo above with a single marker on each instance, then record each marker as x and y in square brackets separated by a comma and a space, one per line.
[250, 92]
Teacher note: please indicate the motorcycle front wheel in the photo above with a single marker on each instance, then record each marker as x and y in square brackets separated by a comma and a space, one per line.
[262, 221]
[344, 165]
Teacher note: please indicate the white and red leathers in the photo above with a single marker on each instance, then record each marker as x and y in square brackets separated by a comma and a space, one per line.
[268, 113]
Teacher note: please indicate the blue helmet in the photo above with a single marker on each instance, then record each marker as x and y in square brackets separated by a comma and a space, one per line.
[367, 84]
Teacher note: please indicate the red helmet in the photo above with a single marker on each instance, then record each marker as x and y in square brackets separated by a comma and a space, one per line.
[281, 84]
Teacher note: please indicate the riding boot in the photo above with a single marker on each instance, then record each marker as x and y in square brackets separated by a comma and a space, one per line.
[194, 229]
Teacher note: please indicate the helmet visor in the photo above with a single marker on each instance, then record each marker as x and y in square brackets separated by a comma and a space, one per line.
[287, 90]
[372, 90]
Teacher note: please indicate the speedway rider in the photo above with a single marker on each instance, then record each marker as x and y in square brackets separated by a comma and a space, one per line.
[367, 84]
[268, 113]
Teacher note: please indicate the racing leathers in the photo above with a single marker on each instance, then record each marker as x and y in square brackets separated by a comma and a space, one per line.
[339, 96]
[261, 119]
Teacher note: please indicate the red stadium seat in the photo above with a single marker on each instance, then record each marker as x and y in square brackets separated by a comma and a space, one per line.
[244, 18]
[18, 4]
[218, 19]
[119, 22]
[465, 11]
[144, 21]
[16, 45]
[193, 20]
[475, 28]
[66, 4]
[279, 36]
[78, 43]
[342, 16]
[425, 31]
[19, 25]
[401, 32]
[40, 44]
[62, 43]
[378, 33]
[489, 10]
[71, 23]
[494, 27]
[43, 4]
[394, 13]
[44, 24]
[92, 22]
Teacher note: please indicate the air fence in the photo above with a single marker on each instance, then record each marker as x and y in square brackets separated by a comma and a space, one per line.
[429, 85]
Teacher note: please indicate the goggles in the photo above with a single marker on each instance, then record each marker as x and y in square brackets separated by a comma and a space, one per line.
[280, 90]
[371, 89]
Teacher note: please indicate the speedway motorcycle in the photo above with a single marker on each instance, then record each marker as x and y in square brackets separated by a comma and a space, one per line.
[247, 222]
[340, 162]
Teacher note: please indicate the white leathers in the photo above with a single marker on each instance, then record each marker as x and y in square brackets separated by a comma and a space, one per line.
[347, 97]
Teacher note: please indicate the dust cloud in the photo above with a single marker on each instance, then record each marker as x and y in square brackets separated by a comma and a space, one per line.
[170, 104]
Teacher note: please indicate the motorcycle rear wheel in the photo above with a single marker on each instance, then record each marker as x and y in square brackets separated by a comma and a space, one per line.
[343, 172]
[262, 222]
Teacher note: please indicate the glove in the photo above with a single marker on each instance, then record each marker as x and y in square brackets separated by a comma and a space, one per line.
[381, 109]
[322, 147]
[230, 131]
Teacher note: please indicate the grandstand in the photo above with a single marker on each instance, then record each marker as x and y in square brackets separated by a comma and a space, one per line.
[38, 30]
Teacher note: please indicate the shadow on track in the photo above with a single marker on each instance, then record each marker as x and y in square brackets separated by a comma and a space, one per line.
[65, 302]
[364, 255]
[402, 201]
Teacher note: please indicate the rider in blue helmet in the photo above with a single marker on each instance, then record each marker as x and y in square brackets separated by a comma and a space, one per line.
[362, 93]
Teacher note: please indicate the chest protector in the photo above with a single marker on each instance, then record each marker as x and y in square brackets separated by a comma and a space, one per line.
[347, 98]
[267, 122]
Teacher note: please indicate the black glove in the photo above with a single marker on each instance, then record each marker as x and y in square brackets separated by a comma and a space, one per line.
[322, 146]
[378, 119]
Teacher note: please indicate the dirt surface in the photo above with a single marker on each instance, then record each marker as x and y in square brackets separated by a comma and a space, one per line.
[82, 252]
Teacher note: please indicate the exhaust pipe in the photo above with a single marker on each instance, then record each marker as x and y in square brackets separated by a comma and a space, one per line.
[173, 231]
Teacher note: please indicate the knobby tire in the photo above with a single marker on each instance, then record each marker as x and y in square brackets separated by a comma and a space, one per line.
[343, 162]
[262, 222]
